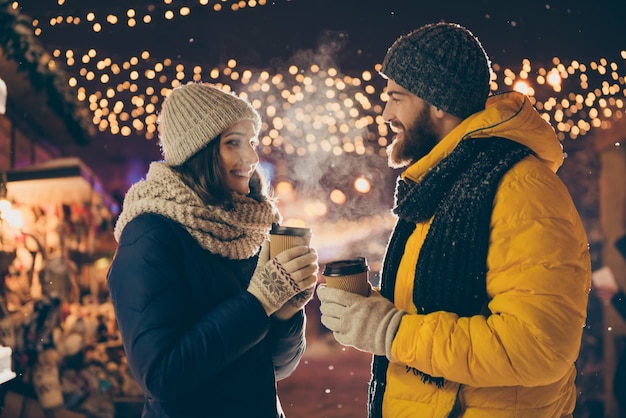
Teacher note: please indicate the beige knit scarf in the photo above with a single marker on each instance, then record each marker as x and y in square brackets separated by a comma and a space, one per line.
[235, 233]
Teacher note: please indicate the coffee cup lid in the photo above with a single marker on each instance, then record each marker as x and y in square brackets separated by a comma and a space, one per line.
[346, 267]
[290, 230]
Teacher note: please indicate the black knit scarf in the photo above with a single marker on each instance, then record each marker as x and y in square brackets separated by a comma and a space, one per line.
[452, 265]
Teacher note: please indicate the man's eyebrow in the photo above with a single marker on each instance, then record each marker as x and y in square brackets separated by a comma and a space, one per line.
[395, 93]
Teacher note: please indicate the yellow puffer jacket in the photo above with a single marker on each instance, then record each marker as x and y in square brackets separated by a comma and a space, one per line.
[519, 360]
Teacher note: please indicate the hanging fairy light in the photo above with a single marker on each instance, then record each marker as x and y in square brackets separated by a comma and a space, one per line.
[362, 185]
[308, 109]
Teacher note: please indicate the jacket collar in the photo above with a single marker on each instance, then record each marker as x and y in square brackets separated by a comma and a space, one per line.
[508, 115]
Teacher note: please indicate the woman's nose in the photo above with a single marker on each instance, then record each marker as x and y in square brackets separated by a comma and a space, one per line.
[250, 155]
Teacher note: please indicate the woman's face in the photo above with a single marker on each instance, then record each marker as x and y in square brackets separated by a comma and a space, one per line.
[238, 157]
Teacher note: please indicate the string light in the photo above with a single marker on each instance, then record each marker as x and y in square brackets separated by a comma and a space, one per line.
[308, 109]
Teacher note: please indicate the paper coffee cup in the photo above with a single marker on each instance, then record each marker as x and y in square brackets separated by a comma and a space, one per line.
[348, 275]
[285, 237]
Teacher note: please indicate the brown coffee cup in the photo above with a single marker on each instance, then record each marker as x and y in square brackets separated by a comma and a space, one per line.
[285, 237]
[349, 275]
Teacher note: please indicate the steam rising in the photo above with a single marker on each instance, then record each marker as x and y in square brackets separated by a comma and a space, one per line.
[317, 137]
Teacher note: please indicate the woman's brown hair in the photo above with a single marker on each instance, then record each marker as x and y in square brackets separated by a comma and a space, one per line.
[202, 173]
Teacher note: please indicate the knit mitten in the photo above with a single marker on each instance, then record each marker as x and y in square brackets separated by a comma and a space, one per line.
[293, 305]
[275, 282]
[366, 323]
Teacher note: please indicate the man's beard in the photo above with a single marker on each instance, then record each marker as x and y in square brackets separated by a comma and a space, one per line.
[419, 138]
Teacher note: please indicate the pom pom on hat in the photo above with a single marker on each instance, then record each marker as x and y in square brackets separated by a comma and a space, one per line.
[443, 64]
[194, 114]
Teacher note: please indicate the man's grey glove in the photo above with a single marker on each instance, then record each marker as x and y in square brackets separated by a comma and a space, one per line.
[276, 281]
[365, 323]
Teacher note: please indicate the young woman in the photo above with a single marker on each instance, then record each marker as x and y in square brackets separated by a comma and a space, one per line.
[208, 322]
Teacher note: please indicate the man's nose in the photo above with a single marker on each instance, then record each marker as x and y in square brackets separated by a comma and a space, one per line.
[387, 113]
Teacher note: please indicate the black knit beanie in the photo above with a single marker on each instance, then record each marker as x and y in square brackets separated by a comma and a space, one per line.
[443, 64]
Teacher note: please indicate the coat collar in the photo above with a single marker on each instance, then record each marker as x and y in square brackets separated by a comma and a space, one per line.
[508, 115]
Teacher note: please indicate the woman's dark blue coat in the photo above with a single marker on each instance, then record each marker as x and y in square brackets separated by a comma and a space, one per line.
[198, 343]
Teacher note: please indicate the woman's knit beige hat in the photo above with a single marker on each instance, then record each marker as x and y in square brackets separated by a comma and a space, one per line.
[194, 114]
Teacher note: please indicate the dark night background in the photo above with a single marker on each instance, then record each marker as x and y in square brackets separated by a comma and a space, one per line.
[352, 36]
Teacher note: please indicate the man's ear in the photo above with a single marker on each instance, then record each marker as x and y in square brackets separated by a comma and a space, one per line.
[443, 121]
[438, 113]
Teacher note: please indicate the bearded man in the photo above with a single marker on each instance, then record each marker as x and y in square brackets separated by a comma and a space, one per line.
[485, 279]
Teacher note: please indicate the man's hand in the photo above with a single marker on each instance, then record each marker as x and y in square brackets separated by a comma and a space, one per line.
[365, 323]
